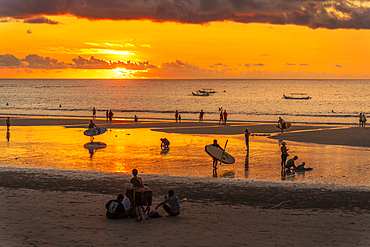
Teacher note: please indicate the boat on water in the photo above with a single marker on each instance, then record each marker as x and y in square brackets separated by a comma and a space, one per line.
[206, 91]
[297, 96]
[200, 94]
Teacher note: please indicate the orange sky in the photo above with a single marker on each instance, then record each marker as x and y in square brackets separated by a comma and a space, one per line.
[147, 49]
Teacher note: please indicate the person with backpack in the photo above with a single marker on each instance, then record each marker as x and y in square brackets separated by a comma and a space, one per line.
[173, 201]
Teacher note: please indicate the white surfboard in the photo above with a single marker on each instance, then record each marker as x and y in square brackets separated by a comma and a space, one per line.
[216, 153]
[95, 131]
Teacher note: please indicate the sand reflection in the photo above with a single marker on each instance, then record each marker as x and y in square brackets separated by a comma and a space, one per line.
[63, 148]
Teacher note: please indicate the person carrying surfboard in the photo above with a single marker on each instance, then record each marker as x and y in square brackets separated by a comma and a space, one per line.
[281, 123]
[92, 125]
[215, 144]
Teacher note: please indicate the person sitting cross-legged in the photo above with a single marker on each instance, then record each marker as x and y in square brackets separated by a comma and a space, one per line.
[174, 208]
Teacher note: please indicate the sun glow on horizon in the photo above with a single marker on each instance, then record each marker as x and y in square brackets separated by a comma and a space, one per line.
[171, 50]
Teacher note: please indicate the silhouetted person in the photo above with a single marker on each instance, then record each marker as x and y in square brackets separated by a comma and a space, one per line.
[94, 113]
[8, 124]
[110, 115]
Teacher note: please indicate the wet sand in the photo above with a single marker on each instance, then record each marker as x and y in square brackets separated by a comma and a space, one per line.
[51, 207]
[63, 208]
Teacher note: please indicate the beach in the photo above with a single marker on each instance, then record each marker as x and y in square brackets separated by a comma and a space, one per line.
[57, 206]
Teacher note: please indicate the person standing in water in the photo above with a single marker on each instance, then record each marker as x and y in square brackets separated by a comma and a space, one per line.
[8, 124]
[246, 135]
[284, 154]
[215, 144]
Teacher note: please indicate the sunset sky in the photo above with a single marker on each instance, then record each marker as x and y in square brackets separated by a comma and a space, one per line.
[239, 39]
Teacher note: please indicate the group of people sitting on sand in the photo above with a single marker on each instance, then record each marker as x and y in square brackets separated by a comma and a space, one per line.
[138, 202]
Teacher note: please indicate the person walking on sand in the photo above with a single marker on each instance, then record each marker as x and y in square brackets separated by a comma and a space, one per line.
[201, 114]
[284, 154]
[360, 120]
[363, 120]
[174, 208]
[110, 115]
[8, 124]
[221, 117]
[246, 135]
[107, 115]
[176, 115]
[215, 144]
[225, 117]
[94, 113]
[282, 123]
[137, 186]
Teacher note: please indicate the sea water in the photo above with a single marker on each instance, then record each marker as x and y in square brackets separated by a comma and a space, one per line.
[333, 101]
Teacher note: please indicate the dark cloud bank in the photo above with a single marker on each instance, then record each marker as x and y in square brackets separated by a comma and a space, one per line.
[314, 14]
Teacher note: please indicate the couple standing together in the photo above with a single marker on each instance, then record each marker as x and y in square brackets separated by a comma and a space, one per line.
[223, 116]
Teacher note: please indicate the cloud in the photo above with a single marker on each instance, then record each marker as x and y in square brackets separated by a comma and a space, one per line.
[253, 64]
[41, 20]
[303, 64]
[37, 62]
[331, 14]
[92, 63]
[338, 66]
[133, 66]
[10, 61]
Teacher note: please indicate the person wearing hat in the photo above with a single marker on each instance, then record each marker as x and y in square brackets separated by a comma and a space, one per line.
[290, 163]
[284, 154]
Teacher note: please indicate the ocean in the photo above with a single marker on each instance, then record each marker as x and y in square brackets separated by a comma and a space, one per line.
[333, 101]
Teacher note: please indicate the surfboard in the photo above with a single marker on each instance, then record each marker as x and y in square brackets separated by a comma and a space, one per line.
[287, 125]
[95, 131]
[216, 153]
[95, 145]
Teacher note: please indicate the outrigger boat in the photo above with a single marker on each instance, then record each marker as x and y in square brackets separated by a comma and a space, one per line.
[297, 96]
[206, 91]
[200, 94]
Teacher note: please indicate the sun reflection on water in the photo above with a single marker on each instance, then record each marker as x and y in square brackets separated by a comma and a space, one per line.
[63, 148]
